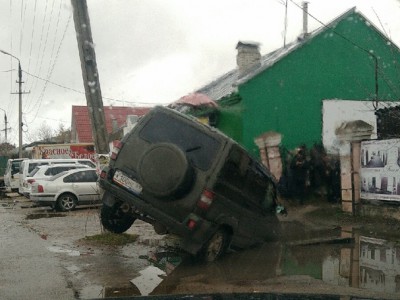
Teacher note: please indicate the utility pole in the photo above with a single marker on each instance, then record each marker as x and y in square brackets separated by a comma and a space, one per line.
[5, 126]
[20, 92]
[90, 75]
[20, 124]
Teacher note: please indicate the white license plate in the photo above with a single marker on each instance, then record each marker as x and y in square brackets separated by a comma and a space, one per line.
[127, 182]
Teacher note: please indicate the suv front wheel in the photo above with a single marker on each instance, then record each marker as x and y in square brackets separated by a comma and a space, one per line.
[117, 218]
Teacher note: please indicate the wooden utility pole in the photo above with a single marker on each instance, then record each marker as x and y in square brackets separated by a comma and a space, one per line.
[90, 75]
[6, 128]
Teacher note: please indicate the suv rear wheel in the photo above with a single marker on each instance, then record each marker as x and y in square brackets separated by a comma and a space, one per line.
[216, 246]
[117, 218]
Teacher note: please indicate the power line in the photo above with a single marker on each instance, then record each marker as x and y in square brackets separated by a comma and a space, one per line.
[32, 35]
[83, 93]
[377, 70]
[51, 69]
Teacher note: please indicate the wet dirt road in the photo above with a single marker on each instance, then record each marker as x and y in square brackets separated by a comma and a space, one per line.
[42, 258]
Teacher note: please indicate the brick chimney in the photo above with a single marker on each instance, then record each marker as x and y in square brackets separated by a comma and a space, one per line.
[248, 57]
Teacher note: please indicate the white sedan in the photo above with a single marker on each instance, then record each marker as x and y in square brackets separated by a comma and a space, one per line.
[43, 172]
[67, 190]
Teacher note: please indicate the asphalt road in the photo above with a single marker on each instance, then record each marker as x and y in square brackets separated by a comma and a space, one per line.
[42, 258]
[28, 270]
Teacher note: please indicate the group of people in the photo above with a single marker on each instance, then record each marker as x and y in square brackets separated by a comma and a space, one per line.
[310, 172]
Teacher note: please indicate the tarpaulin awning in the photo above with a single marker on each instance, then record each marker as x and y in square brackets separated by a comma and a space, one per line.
[196, 99]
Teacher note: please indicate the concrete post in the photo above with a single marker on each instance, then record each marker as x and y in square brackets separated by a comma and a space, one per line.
[263, 152]
[350, 134]
[268, 144]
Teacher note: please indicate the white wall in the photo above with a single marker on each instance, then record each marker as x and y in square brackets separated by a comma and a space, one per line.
[335, 112]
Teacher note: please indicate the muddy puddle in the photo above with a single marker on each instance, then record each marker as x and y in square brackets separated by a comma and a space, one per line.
[353, 260]
[35, 216]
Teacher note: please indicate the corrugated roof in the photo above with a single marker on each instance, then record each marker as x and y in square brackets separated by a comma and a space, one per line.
[81, 120]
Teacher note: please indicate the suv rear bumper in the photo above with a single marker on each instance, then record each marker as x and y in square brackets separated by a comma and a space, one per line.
[192, 239]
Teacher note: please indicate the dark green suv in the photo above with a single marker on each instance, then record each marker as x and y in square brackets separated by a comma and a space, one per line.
[189, 179]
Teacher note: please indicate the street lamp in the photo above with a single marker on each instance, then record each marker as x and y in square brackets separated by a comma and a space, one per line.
[5, 124]
[19, 102]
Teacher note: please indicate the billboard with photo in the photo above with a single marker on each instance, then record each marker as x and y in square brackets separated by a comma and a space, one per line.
[380, 170]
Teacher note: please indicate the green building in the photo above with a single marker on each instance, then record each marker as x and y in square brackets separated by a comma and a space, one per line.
[282, 91]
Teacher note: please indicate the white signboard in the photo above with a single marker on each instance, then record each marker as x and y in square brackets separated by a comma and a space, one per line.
[380, 170]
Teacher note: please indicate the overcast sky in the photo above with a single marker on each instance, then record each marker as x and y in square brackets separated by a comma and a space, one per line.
[148, 51]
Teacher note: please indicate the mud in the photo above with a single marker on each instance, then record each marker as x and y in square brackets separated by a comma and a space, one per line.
[368, 266]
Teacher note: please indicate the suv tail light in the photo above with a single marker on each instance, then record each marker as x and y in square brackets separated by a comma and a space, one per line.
[192, 221]
[40, 188]
[103, 174]
[206, 199]
[117, 147]
[191, 224]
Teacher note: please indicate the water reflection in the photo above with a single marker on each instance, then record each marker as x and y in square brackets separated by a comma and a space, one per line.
[379, 265]
[369, 263]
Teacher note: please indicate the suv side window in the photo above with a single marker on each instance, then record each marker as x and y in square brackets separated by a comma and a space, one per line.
[243, 174]
[259, 187]
[15, 167]
[235, 169]
[21, 167]
[32, 166]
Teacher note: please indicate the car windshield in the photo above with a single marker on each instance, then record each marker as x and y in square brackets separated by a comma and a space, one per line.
[236, 149]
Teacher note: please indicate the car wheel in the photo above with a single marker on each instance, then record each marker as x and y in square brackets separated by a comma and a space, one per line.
[216, 246]
[117, 218]
[165, 171]
[66, 202]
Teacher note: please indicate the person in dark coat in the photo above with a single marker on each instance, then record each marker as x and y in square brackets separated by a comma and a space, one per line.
[299, 174]
[318, 170]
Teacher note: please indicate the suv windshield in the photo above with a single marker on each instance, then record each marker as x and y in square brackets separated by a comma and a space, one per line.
[199, 147]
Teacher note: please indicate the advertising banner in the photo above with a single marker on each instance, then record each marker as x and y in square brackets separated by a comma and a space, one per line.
[380, 170]
[77, 151]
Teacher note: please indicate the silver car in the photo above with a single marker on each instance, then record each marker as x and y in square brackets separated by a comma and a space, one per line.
[67, 190]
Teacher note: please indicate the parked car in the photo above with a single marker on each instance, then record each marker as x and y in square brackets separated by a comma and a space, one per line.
[189, 179]
[11, 175]
[67, 189]
[43, 172]
[28, 165]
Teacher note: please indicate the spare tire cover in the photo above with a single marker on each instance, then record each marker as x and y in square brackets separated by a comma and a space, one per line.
[164, 170]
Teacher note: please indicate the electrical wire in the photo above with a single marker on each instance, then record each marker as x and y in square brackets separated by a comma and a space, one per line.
[83, 93]
[32, 37]
[53, 58]
[355, 45]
